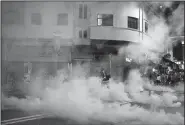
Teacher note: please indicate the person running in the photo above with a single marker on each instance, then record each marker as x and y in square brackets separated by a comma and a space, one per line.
[105, 77]
[103, 74]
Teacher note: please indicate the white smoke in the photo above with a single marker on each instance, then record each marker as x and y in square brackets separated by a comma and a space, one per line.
[177, 21]
[159, 31]
[84, 100]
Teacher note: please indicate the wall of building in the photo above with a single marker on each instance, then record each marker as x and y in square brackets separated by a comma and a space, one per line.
[119, 30]
[82, 24]
[49, 27]
[49, 12]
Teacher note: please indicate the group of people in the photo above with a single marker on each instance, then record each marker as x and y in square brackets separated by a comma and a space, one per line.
[165, 73]
[165, 76]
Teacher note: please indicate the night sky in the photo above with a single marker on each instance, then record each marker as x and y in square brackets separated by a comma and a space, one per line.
[169, 10]
[177, 50]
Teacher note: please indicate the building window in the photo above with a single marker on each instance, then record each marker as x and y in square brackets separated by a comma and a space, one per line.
[146, 27]
[132, 22]
[80, 11]
[12, 17]
[36, 19]
[62, 19]
[85, 11]
[27, 68]
[85, 34]
[80, 34]
[105, 20]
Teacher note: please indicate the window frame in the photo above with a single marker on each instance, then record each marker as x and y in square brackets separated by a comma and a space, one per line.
[80, 34]
[58, 19]
[85, 31]
[98, 18]
[80, 11]
[132, 26]
[33, 21]
[101, 18]
[12, 21]
[85, 12]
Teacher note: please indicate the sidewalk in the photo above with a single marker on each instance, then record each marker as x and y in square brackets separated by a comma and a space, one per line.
[11, 93]
[14, 92]
[12, 113]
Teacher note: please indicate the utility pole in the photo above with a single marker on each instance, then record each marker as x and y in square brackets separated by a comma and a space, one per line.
[183, 51]
[57, 38]
[110, 59]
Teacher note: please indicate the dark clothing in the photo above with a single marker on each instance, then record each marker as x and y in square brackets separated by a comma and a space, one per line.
[126, 71]
[105, 76]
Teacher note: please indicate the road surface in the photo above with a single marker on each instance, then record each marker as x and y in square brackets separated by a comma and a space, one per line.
[17, 117]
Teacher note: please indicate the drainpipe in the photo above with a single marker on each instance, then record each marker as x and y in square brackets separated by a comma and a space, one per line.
[110, 59]
[142, 21]
[139, 22]
[183, 51]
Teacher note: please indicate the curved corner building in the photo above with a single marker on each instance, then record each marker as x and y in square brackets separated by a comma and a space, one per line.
[118, 23]
[30, 30]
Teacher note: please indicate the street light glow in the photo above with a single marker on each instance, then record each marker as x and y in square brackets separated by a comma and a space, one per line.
[182, 42]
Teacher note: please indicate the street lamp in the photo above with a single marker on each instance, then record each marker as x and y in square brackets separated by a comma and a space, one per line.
[183, 51]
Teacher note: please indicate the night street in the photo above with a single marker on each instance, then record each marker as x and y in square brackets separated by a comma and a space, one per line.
[15, 114]
[112, 63]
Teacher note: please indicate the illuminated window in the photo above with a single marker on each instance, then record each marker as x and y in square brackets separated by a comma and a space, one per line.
[132, 22]
[105, 20]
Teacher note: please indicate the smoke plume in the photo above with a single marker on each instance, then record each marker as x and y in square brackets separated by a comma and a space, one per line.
[84, 100]
[81, 97]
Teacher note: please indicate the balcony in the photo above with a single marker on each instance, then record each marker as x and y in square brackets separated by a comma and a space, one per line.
[115, 33]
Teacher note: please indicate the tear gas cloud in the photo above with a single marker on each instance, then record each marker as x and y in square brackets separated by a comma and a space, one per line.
[82, 98]
[159, 30]
[177, 21]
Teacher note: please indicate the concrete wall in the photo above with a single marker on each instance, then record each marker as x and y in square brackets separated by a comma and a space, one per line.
[82, 24]
[120, 10]
[17, 68]
[49, 12]
[37, 54]
[119, 30]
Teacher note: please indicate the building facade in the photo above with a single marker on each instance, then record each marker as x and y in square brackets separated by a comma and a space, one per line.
[124, 22]
[30, 30]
